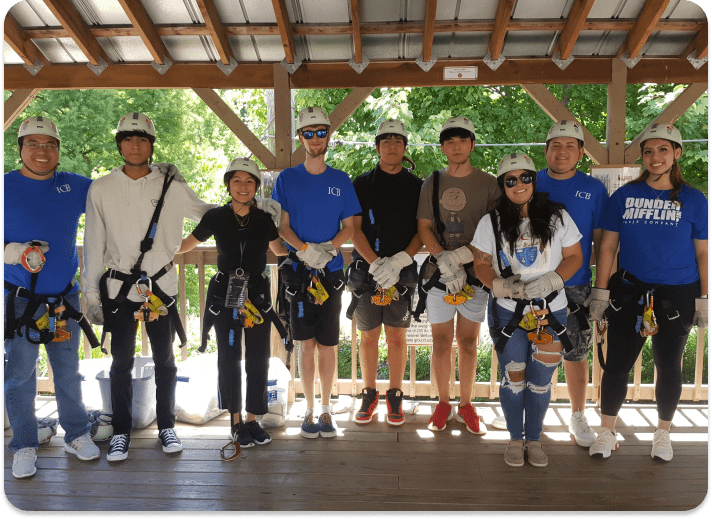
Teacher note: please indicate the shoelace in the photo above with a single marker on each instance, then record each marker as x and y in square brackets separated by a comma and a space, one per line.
[168, 436]
[118, 442]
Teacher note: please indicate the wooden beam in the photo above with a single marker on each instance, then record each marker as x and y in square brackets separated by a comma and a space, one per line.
[431, 8]
[356, 28]
[285, 29]
[283, 118]
[17, 102]
[574, 25]
[557, 111]
[616, 110]
[340, 114]
[145, 28]
[639, 34]
[217, 30]
[504, 13]
[72, 21]
[672, 113]
[239, 128]
[19, 41]
[699, 44]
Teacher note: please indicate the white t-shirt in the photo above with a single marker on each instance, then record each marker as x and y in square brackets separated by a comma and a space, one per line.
[530, 259]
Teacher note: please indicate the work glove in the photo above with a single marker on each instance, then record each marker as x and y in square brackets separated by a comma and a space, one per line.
[699, 319]
[597, 302]
[387, 272]
[271, 207]
[317, 255]
[15, 250]
[511, 287]
[455, 282]
[543, 285]
[450, 261]
[171, 170]
[94, 312]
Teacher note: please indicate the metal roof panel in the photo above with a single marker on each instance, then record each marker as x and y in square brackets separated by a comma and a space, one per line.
[33, 13]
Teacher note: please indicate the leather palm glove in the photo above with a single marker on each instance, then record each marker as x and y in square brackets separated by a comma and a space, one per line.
[456, 282]
[597, 302]
[317, 255]
[387, 272]
[171, 170]
[94, 312]
[699, 319]
[15, 250]
[511, 287]
[543, 285]
[450, 261]
[271, 207]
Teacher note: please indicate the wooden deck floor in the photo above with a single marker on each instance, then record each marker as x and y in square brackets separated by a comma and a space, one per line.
[376, 467]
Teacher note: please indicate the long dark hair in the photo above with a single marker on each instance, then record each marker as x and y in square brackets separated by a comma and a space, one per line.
[542, 225]
[675, 176]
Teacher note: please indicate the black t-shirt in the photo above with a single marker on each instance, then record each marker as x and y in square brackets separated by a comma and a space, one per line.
[391, 202]
[238, 247]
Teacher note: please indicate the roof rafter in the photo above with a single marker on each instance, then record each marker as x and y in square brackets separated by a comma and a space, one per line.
[217, 30]
[72, 21]
[143, 24]
[499, 31]
[16, 37]
[639, 34]
[285, 29]
[574, 25]
[17, 102]
[431, 8]
[356, 25]
[699, 45]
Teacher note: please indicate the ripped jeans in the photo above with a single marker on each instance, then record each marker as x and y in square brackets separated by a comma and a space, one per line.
[529, 397]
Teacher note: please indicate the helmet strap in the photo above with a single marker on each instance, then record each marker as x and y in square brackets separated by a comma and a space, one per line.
[54, 169]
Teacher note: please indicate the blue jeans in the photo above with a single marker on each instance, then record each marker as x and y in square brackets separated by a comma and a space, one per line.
[21, 382]
[529, 397]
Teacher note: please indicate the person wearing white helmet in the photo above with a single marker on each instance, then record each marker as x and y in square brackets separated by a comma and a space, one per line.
[318, 207]
[243, 233]
[42, 211]
[385, 241]
[660, 223]
[451, 203]
[134, 225]
[525, 249]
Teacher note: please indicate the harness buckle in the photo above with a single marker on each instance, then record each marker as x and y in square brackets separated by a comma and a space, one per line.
[24, 258]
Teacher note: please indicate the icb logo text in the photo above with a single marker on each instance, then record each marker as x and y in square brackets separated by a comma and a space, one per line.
[585, 196]
[334, 191]
[64, 189]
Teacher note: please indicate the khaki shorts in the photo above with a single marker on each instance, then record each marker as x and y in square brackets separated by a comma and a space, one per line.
[439, 311]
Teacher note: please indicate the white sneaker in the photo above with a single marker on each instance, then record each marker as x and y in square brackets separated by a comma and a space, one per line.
[606, 442]
[23, 463]
[581, 431]
[499, 422]
[662, 448]
[84, 448]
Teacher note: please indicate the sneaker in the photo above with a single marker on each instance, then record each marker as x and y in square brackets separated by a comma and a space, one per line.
[394, 401]
[258, 434]
[514, 455]
[606, 442]
[536, 455]
[580, 430]
[170, 441]
[369, 403]
[119, 447]
[443, 413]
[84, 448]
[468, 416]
[327, 426]
[309, 428]
[23, 463]
[499, 422]
[662, 447]
[241, 434]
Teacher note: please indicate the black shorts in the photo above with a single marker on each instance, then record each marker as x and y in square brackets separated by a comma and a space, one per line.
[396, 315]
[328, 327]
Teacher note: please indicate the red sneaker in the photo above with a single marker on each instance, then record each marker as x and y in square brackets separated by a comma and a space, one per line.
[467, 415]
[443, 412]
[369, 403]
[394, 400]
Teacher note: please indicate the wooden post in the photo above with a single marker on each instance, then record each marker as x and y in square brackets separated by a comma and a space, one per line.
[615, 120]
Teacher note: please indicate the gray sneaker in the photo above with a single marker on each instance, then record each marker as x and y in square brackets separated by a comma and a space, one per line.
[514, 455]
[581, 431]
[23, 463]
[536, 455]
[83, 447]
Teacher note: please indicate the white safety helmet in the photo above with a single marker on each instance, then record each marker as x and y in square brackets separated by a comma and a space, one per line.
[566, 128]
[459, 122]
[246, 165]
[662, 131]
[37, 125]
[137, 122]
[392, 126]
[513, 162]
[312, 116]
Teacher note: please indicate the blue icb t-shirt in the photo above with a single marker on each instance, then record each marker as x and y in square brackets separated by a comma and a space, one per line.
[45, 210]
[316, 204]
[585, 198]
[656, 234]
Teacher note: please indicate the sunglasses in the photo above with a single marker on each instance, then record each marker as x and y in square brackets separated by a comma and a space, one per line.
[526, 178]
[308, 134]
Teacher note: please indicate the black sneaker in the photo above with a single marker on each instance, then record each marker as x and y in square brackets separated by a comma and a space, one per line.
[119, 447]
[369, 404]
[241, 434]
[170, 441]
[258, 434]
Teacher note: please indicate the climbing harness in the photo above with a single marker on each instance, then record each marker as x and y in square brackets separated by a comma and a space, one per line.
[649, 324]
[361, 283]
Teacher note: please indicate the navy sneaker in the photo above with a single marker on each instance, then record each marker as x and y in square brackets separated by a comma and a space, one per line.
[309, 428]
[327, 426]
[241, 434]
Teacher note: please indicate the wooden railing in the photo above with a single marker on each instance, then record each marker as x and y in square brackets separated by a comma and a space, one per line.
[204, 255]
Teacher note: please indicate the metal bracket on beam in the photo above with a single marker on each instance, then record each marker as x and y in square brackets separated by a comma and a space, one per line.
[425, 65]
[630, 62]
[359, 67]
[34, 69]
[162, 68]
[98, 69]
[227, 69]
[697, 63]
[562, 63]
[291, 67]
[493, 63]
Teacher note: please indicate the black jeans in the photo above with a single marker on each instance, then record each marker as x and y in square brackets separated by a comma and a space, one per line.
[123, 344]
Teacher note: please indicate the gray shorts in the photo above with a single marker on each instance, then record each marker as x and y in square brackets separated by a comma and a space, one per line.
[439, 311]
[396, 315]
[581, 339]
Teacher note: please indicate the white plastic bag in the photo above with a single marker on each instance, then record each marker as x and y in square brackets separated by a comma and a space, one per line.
[197, 390]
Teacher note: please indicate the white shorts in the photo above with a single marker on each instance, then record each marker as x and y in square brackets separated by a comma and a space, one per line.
[439, 311]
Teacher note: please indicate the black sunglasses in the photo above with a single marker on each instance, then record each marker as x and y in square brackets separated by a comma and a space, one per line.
[526, 178]
[308, 134]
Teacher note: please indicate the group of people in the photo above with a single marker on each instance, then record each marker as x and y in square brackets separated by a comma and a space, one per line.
[512, 248]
